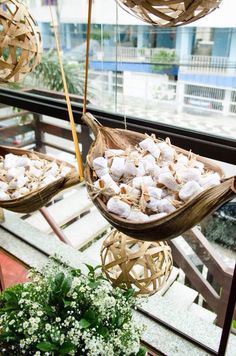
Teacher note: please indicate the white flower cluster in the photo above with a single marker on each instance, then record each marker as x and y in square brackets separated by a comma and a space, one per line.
[83, 314]
[20, 175]
[150, 181]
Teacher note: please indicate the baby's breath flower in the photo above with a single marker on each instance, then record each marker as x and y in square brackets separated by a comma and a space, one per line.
[46, 315]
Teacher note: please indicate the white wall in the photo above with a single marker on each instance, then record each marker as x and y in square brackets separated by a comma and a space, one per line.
[104, 11]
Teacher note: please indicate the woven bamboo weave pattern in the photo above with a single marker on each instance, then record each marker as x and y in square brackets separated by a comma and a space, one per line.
[20, 41]
[169, 13]
[38, 198]
[129, 263]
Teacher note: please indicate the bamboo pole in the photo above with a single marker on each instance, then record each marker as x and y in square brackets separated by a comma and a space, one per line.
[87, 55]
[68, 102]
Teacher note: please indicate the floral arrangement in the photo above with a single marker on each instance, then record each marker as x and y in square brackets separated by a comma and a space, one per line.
[63, 312]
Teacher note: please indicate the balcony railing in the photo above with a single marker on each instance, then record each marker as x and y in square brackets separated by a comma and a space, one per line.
[49, 132]
[194, 63]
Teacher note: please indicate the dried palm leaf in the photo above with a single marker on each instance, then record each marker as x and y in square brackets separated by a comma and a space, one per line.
[171, 225]
[38, 198]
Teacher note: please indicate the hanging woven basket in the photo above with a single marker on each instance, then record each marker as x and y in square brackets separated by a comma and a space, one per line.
[173, 224]
[129, 263]
[20, 41]
[169, 13]
[38, 198]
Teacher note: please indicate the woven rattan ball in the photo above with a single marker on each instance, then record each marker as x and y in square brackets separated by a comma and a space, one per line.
[168, 13]
[129, 263]
[20, 41]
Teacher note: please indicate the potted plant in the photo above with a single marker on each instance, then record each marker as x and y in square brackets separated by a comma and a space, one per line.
[61, 311]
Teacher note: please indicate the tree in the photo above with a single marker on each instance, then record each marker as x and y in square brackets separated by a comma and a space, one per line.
[163, 60]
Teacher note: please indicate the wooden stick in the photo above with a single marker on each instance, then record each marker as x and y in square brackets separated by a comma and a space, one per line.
[68, 102]
[87, 55]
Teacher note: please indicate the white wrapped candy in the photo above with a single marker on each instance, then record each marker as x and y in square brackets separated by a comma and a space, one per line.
[132, 169]
[152, 204]
[118, 207]
[145, 180]
[16, 195]
[149, 163]
[118, 167]
[4, 195]
[24, 191]
[15, 172]
[182, 160]
[149, 145]
[10, 161]
[198, 165]
[165, 206]
[23, 161]
[100, 165]
[64, 171]
[109, 184]
[167, 152]
[189, 174]
[47, 180]
[211, 180]
[3, 186]
[189, 190]
[33, 185]
[34, 172]
[130, 191]
[18, 182]
[137, 216]
[37, 163]
[154, 192]
[168, 180]
[157, 216]
[113, 153]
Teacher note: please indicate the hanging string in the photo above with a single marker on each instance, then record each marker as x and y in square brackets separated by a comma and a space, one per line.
[68, 102]
[87, 55]
[118, 45]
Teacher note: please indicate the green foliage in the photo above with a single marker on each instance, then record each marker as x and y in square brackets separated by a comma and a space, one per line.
[48, 74]
[63, 312]
[163, 60]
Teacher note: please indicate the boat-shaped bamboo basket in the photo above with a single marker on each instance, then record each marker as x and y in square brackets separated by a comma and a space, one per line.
[38, 198]
[171, 225]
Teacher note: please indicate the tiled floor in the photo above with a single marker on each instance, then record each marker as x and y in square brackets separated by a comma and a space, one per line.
[167, 113]
[13, 271]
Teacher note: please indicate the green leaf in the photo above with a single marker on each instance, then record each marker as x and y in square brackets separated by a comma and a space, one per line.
[129, 293]
[142, 352]
[91, 316]
[10, 296]
[46, 346]
[84, 323]
[90, 268]
[94, 284]
[103, 330]
[66, 348]
[8, 336]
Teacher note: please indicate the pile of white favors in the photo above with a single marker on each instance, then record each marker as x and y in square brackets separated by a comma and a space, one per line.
[20, 175]
[150, 181]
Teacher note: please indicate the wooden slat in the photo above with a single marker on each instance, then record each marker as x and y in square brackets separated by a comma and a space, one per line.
[202, 247]
[86, 229]
[14, 114]
[63, 211]
[194, 275]
[57, 131]
[15, 130]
